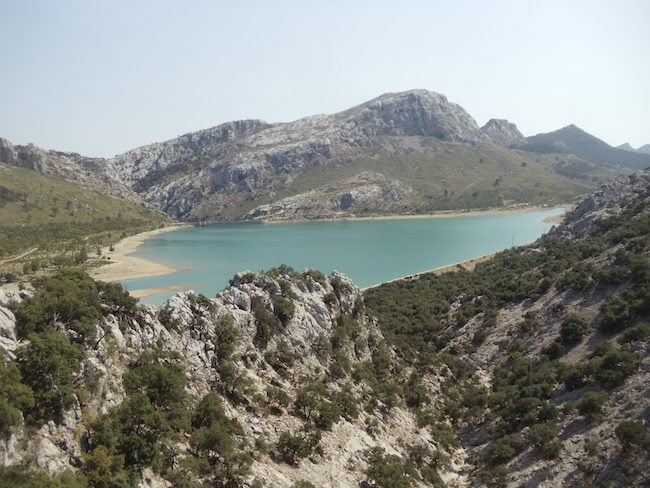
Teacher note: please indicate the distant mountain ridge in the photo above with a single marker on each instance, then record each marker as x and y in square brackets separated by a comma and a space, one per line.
[645, 149]
[572, 139]
[399, 153]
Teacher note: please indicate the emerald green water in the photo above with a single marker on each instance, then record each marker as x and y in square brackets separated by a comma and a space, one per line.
[369, 251]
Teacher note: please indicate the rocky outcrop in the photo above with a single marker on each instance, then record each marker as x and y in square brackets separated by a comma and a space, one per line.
[96, 174]
[413, 113]
[607, 201]
[503, 133]
[361, 194]
[186, 325]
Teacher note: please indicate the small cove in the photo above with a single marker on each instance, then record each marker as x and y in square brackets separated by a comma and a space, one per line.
[369, 251]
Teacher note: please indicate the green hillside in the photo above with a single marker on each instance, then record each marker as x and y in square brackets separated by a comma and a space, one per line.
[49, 213]
[444, 175]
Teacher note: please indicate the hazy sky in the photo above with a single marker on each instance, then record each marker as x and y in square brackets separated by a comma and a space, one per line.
[101, 77]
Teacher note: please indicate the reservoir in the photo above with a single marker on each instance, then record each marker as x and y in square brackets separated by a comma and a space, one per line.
[368, 251]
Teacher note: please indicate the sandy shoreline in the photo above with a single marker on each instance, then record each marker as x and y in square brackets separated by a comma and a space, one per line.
[434, 215]
[123, 266]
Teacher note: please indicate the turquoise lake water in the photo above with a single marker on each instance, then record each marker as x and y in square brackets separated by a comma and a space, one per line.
[369, 251]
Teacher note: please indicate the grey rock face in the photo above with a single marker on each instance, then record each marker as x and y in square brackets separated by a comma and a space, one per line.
[96, 174]
[363, 192]
[186, 325]
[503, 133]
[609, 200]
[8, 340]
[187, 176]
[415, 113]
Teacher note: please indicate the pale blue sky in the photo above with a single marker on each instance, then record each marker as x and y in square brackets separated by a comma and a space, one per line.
[101, 77]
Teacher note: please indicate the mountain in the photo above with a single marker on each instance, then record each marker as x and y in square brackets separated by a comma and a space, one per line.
[574, 140]
[92, 173]
[531, 370]
[52, 215]
[645, 149]
[400, 153]
[504, 133]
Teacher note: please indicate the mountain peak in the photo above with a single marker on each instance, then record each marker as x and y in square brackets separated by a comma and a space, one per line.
[503, 132]
[415, 113]
[572, 139]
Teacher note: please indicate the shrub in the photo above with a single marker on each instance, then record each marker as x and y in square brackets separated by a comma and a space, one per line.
[631, 434]
[104, 469]
[637, 333]
[303, 484]
[70, 297]
[133, 429]
[14, 397]
[316, 275]
[265, 326]
[387, 471]
[612, 368]
[501, 451]
[284, 309]
[573, 329]
[47, 365]
[615, 314]
[591, 404]
[291, 448]
[226, 335]
[162, 380]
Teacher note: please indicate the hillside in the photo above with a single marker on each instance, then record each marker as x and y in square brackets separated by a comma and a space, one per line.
[400, 153]
[549, 348]
[573, 140]
[532, 370]
[49, 213]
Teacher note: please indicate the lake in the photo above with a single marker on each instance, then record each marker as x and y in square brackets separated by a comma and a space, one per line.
[368, 251]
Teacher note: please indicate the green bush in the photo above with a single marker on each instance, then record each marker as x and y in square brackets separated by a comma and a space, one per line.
[637, 333]
[70, 297]
[591, 404]
[265, 323]
[632, 434]
[226, 335]
[573, 329]
[47, 365]
[284, 309]
[15, 397]
[291, 448]
[104, 469]
[134, 429]
[501, 451]
[161, 378]
[387, 471]
[303, 484]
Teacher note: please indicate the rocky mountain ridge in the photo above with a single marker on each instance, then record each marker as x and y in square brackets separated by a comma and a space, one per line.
[645, 149]
[571, 139]
[417, 139]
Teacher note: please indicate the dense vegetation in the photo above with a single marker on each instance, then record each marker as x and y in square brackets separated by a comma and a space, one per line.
[526, 403]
